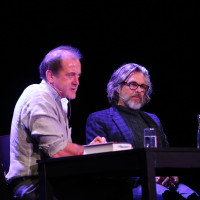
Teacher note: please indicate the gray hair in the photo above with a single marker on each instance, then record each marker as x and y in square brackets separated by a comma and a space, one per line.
[120, 75]
[53, 61]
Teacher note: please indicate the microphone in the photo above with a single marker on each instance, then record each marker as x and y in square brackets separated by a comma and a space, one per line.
[56, 89]
[69, 109]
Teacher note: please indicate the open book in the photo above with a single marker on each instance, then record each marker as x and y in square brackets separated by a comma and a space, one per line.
[105, 147]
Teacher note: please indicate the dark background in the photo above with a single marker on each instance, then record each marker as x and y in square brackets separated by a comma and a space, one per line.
[161, 35]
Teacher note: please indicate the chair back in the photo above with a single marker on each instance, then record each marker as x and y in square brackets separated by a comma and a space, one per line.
[5, 152]
[5, 190]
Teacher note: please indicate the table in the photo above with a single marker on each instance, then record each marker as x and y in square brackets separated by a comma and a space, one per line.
[146, 163]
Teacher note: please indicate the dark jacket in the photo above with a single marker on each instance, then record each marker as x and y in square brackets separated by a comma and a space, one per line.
[109, 124]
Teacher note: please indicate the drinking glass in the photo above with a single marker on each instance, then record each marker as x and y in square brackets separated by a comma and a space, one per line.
[150, 138]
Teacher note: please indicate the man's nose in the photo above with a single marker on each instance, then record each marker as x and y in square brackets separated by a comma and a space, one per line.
[76, 80]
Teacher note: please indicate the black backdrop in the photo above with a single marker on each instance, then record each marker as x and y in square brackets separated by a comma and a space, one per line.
[161, 35]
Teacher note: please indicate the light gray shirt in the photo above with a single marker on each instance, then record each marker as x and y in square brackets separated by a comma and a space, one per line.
[39, 127]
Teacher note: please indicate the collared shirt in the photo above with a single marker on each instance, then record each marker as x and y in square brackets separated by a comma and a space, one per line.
[39, 128]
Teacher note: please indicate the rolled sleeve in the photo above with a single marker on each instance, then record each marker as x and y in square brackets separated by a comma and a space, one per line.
[45, 120]
[49, 135]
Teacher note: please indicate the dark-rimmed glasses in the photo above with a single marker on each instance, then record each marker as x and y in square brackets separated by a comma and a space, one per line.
[135, 85]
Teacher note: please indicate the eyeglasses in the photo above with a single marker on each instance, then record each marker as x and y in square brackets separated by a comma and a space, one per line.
[135, 85]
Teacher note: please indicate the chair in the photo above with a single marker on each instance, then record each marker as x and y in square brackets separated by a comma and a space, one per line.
[5, 191]
[5, 151]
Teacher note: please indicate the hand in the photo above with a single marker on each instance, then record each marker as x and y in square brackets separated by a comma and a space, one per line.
[169, 182]
[71, 149]
[98, 140]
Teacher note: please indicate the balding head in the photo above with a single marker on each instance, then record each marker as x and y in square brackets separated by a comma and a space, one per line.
[53, 60]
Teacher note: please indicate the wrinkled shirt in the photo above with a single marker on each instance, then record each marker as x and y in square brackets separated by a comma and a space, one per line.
[39, 128]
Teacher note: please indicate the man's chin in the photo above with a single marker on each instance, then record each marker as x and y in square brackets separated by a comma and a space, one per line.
[134, 106]
[71, 97]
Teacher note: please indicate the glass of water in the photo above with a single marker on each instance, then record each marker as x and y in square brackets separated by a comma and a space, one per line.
[150, 138]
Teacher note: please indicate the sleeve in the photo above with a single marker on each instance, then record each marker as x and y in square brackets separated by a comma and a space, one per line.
[41, 118]
[94, 127]
[165, 143]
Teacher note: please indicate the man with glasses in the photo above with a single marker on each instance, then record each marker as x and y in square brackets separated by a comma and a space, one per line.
[128, 90]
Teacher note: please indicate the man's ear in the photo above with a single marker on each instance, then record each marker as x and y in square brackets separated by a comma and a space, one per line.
[118, 89]
[50, 76]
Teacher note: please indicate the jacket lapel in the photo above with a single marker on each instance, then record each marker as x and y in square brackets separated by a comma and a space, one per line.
[126, 133]
[152, 124]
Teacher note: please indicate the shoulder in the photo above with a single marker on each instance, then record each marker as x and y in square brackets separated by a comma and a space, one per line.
[153, 116]
[38, 93]
[100, 114]
[36, 97]
[28, 93]
[150, 115]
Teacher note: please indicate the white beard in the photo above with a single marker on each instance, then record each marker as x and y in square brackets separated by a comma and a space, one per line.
[133, 106]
